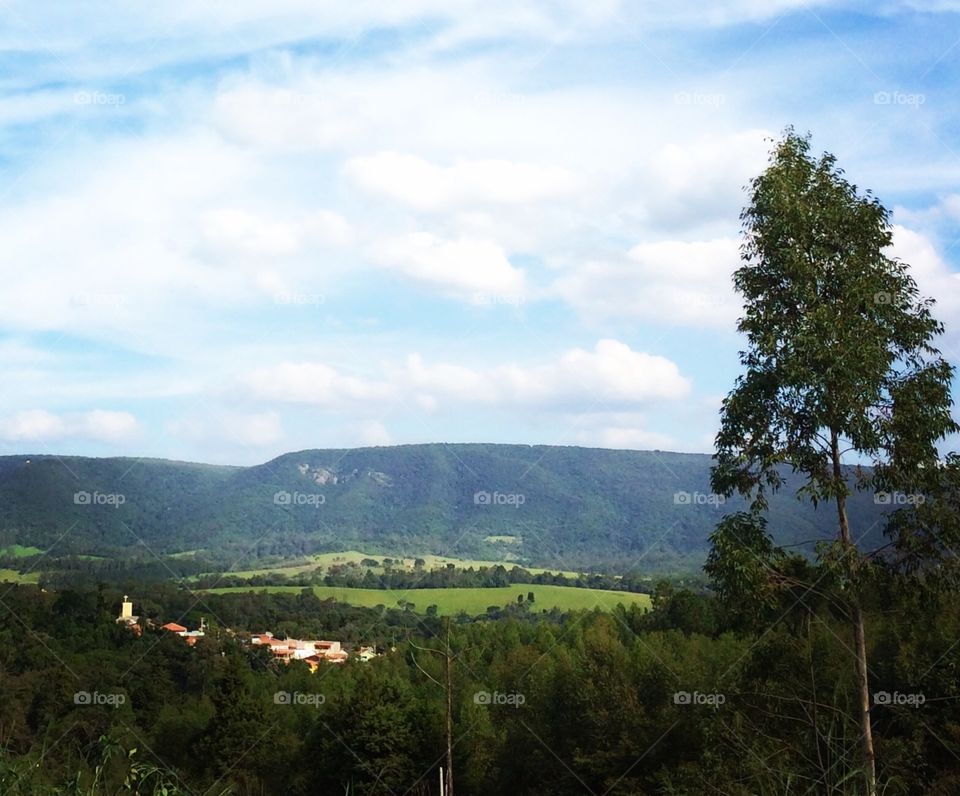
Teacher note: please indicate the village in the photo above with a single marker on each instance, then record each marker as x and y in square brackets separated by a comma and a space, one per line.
[313, 652]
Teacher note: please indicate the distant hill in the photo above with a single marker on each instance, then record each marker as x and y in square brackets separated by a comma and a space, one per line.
[542, 505]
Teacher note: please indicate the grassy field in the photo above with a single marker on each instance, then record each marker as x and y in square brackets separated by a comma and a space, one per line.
[326, 560]
[19, 551]
[12, 576]
[472, 601]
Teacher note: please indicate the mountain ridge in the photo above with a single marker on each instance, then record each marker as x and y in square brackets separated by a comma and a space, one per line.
[562, 506]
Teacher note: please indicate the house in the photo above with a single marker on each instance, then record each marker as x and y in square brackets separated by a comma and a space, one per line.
[191, 637]
[173, 627]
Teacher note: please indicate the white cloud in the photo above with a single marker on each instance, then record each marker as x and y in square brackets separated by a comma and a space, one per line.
[106, 426]
[313, 383]
[39, 425]
[374, 432]
[614, 373]
[463, 266]
[610, 374]
[68, 39]
[625, 438]
[414, 181]
[676, 283]
[693, 180]
[934, 279]
[32, 424]
[245, 232]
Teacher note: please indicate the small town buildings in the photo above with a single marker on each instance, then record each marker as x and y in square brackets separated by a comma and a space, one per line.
[312, 652]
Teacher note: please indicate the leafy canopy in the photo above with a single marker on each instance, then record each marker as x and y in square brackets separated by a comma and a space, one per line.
[839, 351]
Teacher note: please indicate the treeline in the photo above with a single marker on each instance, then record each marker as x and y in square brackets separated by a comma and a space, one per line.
[691, 697]
[362, 576]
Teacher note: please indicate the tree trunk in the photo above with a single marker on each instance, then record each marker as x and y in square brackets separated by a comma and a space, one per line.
[856, 619]
[449, 714]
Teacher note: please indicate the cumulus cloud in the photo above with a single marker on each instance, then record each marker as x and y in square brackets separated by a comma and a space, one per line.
[667, 282]
[934, 279]
[374, 432]
[609, 374]
[313, 383]
[39, 425]
[623, 436]
[416, 182]
[463, 266]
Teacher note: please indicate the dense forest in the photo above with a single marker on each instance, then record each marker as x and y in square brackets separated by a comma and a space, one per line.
[692, 697]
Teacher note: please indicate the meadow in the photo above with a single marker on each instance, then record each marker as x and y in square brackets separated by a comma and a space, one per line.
[470, 601]
[326, 560]
[12, 576]
[20, 551]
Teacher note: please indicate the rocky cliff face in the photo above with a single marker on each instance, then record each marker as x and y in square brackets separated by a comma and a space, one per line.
[324, 475]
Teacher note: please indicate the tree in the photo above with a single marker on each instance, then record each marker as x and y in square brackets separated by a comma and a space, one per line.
[839, 359]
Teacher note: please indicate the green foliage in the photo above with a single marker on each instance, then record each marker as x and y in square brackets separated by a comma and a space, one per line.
[839, 340]
[599, 706]
[840, 358]
[600, 510]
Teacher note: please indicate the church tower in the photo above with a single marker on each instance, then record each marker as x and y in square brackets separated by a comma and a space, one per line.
[126, 613]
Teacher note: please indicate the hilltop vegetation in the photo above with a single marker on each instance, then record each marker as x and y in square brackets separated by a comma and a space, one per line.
[554, 507]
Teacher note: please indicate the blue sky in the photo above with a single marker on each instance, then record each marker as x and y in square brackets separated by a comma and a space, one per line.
[229, 232]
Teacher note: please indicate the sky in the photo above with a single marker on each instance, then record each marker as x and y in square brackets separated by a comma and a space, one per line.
[234, 230]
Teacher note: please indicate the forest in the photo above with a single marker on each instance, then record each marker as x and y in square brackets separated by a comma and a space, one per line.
[691, 697]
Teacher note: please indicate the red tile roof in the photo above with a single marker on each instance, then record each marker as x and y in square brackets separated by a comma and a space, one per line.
[173, 627]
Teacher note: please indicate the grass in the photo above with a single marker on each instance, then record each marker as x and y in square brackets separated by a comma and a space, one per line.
[326, 560]
[184, 554]
[12, 576]
[471, 601]
[19, 551]
[503, 539]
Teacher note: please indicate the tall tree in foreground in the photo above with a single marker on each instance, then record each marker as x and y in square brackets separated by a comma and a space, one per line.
[839, 360]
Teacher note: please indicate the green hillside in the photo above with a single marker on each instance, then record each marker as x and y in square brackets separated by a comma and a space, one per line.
[560, 507]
